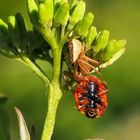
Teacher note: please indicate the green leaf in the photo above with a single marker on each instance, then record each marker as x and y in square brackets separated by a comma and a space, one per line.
[101, 41]
[24, 133]
[112, 48]
[82, 26]
[62, 14]
[77, 14]
[92, 33]
[32, 11]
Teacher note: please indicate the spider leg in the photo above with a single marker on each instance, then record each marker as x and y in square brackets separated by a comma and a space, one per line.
[77, 76]
[86, 67]
[65, 78]
[83, 67]
[85, 58]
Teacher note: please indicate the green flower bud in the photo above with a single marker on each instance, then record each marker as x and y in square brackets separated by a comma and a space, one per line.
[112, 48]
[49, 12]
[56, 4]
[74, 3]
[82, 27]
[43, 19]
[14, 31]
[77, 14]
[3, 27]
[102, 41]
[115, 57]
[32, 11]
[62, 14]
[21, 25]
[57, 1]
[64, 1]
[23, 30]
[3, 37]
[92, 33]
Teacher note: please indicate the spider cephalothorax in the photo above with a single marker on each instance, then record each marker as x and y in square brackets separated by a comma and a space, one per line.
[80, 62]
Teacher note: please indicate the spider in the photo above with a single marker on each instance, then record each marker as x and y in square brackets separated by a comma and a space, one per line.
[78, 62]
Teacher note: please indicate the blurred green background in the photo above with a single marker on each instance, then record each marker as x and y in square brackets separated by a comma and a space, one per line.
[122, 118]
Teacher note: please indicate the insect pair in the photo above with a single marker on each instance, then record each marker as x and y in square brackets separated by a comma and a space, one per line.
[91, 93]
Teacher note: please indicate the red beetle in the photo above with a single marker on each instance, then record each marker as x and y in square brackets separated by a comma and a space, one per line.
[91, 97]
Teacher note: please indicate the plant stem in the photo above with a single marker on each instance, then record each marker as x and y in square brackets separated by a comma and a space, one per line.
[35, 68]
[54, 95]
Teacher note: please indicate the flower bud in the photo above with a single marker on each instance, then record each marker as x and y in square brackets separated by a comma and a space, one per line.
[23, 30]
[3, 27]
[62, 14]
[47, 12]
[56, 4]
[102, 41]
[115, 57]
[82, 27]
[74, 3]
[112, 48]
[32, 11]
[43, 19]
[77, 14]
[92, 33]
[57, 1]
[21, 24]
[14, 31]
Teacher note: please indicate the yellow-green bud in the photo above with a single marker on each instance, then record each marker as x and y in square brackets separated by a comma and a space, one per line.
[62, 14]
[77, 14]
[74, 3]
[3, 36]
[3, 27]
[92, 33]
[21, 25]
[14, 31]
[64, 1]
[43, 19]
[112, 48]
[49, 12]
[82, 27]
[57, 1]
[32, 11]
[102, 41]
[115, 57]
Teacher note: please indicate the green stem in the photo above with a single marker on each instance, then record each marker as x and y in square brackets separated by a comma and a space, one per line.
[54, 95]
[35, 68]
[48, 35]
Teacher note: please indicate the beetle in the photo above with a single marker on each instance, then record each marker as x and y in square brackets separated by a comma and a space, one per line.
[91, 97]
